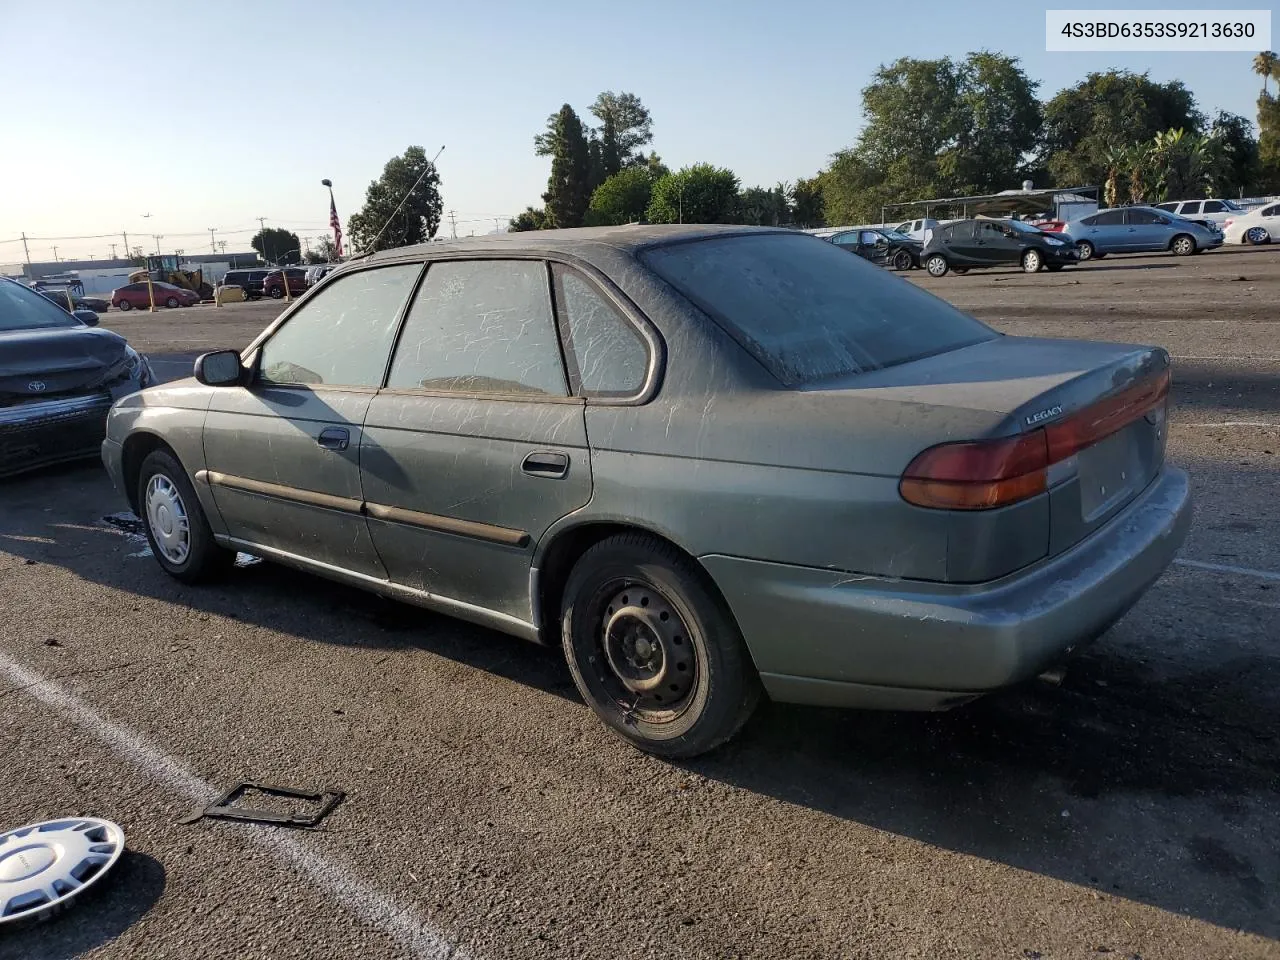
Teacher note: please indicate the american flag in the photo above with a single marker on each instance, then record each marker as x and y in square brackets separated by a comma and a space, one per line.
[336, 224]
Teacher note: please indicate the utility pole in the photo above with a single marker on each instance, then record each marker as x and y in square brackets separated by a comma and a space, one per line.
[212, 246]
[453, 224]
[113, 251]
[125, 235]
[55, 251]
[25, 251]
[223, 245]
[306, 244]
[157, 237]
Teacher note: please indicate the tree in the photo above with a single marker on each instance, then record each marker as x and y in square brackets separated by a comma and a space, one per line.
[324, 251]
[701, 193]
[854, 192]
[277, 245]
[1106, 110]
[416, 221]
[1240, 172]
[806, 203]
[1000, 129]
[1268, 125]
[569, 187]
[625, 127]
[533, 218]
[622, 198]
[765, 207]
[1265, 65]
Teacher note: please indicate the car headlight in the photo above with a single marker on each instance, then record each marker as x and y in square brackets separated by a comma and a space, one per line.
[1054, 242]
[132, 366]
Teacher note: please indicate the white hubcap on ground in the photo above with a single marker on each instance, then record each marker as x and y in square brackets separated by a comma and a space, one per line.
[167, 518]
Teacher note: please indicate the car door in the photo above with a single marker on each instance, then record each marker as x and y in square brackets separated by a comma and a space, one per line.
[1146, 229]
[1106, 231]
[282, 454]
[475, 446]
[874, 246]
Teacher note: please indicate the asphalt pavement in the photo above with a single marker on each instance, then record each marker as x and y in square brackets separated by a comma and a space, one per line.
[1131, 810]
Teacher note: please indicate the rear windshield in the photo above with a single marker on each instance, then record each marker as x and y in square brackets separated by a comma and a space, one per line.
[807, 310]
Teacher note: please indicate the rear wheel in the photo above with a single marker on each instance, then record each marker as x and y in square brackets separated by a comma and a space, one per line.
[276, 293]
[172, 303]
[1183, 245]
[653, 650]
[125, 304]
[902, 260]
[1032, 261]
[1257, 235]
[175, 524]
[936, 265]
[1085, 249]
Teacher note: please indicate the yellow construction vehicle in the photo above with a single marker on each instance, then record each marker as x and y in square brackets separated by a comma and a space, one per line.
[165, 269]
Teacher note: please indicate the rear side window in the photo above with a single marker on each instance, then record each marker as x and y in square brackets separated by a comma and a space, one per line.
[806, 310]
[341, 335]
[1272, 211]
[481, 326]
[1171, 207]
[1108, 218]
[607, 355]
[1214, 206]
[1143, 217]
[1189, 209]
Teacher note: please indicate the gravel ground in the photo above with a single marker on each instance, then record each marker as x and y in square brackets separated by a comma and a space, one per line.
[1129, 812]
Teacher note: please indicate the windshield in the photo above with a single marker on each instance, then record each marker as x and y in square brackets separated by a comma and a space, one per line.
[23, 309]
[807, 310]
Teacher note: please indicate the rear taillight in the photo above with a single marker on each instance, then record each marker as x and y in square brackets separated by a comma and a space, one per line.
[982, 474]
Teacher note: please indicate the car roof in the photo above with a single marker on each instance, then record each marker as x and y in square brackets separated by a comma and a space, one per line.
[575, 241]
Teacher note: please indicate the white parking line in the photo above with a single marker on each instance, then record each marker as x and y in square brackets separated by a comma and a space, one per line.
[1227, 568]
[371, 904]
[1223, 359]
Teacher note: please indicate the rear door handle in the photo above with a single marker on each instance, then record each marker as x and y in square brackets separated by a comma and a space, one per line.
[334, 438]
[545, 464]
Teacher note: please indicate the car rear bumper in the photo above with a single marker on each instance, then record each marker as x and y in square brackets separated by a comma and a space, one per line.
[820, 636]
[51, 431]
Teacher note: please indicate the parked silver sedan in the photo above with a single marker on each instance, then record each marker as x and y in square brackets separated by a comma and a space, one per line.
[708, 461]
[1140, 230]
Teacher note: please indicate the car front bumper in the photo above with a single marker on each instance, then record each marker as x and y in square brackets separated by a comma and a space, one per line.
[825, 637]
[44, 432]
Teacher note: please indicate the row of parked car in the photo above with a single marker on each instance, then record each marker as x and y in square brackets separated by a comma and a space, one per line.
[1183, 228]
[274, 282]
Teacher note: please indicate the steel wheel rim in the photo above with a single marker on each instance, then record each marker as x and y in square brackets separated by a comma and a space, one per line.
[167, 519]
[1257, 234]
[1085, 251]
[1031, 262]
[1182, 245]
[936, 266]
[646, 660]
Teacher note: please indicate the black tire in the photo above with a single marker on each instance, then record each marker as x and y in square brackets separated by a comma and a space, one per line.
[1183, 245]
[276, 293]
[1085, 250]
[902, 260]
[936, 265]
[125, 305]
[699, 684]
[1257, 236]
[205, 560]
[959, 271]
[1032, 261]
[172, 303]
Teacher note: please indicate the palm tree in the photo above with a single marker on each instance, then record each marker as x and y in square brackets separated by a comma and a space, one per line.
[1265, 65]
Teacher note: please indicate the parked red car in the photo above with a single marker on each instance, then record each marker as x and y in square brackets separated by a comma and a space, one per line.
[273, 283]
[133, 295]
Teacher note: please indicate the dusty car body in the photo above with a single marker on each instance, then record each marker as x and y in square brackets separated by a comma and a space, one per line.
[58, 378]
[705, 459]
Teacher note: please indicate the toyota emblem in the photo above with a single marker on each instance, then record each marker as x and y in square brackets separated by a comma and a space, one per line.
[36, 386]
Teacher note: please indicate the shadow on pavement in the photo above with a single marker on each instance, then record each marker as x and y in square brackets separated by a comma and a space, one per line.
[99, 915]
[1080, 782]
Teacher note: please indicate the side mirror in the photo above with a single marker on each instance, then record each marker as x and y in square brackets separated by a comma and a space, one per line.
[219, 369]
[87, 317]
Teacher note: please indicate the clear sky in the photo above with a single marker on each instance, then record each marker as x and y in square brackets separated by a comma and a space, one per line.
[213, 115]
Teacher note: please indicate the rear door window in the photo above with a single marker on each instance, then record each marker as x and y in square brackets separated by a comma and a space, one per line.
[808, 311]
[1107, 218]
[1139, 218]
[1189, 209]
[1214, 206]
[1272, 211]
[484, 327]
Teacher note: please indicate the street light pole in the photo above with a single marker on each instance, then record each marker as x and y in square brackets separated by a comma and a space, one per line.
[212, 243]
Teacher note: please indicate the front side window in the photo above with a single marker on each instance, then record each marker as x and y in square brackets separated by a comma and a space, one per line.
[341, 335]
[1189, 209]
[482, 326]
[808, 311]
[607, 355]
[871, 238]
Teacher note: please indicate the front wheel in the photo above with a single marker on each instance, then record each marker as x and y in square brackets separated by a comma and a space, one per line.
[1032, 261]
[902, 260]
[1085, 250]
[125, 305]
[1183, 245]
[937, 265]
[172, 303]
[653, 650]
[276, 293]
[175, 524]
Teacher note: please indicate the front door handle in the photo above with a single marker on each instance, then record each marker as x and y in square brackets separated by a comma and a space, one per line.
[545, 464]
[334, 438]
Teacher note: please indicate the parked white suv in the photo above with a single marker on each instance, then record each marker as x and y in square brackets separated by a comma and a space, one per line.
[1212, 211]
[920, 230]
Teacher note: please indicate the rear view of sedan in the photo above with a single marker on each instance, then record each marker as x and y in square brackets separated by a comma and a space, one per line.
[711, 463]
[58, 378]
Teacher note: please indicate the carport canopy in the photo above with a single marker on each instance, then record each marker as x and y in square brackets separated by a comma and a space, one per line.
[1004, 204]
